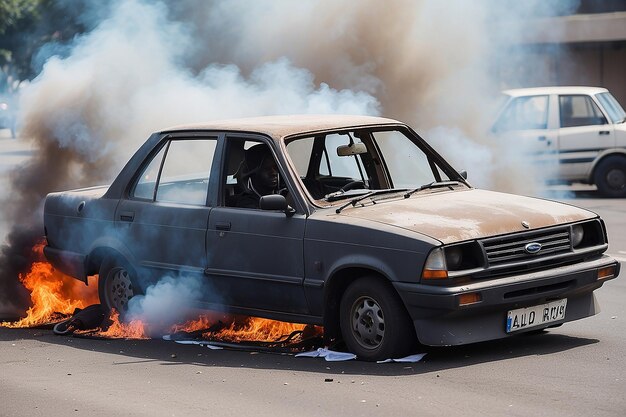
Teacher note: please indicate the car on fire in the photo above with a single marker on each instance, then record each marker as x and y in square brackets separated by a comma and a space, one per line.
[374, 235]
[573, 134]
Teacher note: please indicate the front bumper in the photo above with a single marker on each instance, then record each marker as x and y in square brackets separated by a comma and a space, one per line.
[440, 321]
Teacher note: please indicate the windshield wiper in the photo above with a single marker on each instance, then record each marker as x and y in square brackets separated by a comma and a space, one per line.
[433, 184]
[354, 201]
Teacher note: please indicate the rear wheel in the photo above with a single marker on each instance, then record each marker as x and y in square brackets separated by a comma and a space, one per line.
[374, 323]
[116, 285]
[610, 176]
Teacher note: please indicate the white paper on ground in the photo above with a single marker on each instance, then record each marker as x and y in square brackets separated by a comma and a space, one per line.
[193, 342]
[407, 359]
[328, 355]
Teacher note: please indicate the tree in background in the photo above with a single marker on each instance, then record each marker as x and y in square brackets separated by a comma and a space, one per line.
[26, 26]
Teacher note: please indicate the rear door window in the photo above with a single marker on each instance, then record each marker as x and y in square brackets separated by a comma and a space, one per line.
[579, 110]
[180, 172]
[524, 113]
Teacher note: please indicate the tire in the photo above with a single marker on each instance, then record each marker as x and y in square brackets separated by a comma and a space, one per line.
[610, 176]
[374, 323]
[116, 285]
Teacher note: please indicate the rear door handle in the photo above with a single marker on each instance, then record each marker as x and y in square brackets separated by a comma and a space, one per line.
[127, 216]
[222, 225]
[604, 132]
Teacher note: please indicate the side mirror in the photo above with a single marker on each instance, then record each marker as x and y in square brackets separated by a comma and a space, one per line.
[463, 174]
[275, 202]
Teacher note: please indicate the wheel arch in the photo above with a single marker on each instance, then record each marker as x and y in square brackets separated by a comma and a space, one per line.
[600, 158]
[101, 250]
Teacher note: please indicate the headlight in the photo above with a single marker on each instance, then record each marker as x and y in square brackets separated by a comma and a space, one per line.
[435, 266]
[578, 233]
[454, 257]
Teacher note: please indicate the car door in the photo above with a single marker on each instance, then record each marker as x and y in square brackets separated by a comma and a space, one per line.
[165, 215]
[255, 257]
[584, 132]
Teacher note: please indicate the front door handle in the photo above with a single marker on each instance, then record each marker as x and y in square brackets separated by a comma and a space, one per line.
[127, 216]
[222, 225]
[604, 132]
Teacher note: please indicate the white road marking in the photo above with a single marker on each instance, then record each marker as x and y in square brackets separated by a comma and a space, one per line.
[622, 251]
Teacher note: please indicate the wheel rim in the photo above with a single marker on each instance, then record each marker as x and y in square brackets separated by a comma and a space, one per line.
[616, 179]
[367, 322]
[119, 289]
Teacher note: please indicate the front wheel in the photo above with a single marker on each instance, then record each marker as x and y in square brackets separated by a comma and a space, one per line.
[374, 323]
[610, 176]
[116, 285]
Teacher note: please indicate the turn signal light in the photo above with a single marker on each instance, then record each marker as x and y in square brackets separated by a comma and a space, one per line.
[435, 274]
[606, 272]
[470, 298]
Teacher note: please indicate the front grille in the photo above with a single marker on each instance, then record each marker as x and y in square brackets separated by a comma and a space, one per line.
[511, 248]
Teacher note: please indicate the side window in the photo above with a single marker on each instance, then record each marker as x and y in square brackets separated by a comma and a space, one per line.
[349, 166]
[178, 173]
[300, 152]
[524, 113]
[146, 184]
[579, 110]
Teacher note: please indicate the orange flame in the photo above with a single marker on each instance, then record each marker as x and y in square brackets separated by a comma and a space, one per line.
[256, 329]
[132, 330]
[54, 295]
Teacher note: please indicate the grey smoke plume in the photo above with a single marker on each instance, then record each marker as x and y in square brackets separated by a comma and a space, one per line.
[151, 64]
[88, 112]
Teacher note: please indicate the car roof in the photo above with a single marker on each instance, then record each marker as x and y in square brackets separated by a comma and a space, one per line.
[282, 126]
[515, 92]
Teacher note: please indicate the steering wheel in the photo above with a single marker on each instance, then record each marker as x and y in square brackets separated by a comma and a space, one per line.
[353, 184]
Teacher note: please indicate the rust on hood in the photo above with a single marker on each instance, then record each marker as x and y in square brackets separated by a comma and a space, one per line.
[472, 214]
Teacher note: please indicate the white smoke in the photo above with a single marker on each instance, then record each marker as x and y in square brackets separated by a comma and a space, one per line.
[167, 302]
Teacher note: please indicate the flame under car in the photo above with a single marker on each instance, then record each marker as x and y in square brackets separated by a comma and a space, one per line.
[362, 227]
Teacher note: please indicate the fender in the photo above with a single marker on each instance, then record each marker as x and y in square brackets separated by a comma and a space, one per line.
[605, 153]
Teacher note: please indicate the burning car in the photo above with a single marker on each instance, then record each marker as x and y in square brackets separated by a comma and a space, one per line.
[358, 225]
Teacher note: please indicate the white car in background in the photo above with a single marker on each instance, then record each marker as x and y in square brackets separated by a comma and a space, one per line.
[580, 132]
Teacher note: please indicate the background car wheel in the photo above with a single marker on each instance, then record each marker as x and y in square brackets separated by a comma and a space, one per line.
[610, 176]
[374, 323]
[116, 285]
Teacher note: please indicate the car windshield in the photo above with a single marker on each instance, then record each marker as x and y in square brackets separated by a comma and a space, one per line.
[613, 108]
[336, 166]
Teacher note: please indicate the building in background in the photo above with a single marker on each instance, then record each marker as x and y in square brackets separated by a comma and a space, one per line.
[584, 48]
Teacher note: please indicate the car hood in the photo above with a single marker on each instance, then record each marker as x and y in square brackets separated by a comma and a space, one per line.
[454, 216]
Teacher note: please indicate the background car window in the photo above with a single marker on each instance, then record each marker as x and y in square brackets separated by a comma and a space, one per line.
[612, 106]
[341, 166]
[185, 174]
[524, 113]
[147, 181]
[579, 110]
[406, 163]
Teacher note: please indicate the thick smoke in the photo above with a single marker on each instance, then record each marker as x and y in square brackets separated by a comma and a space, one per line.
[149, 64]
[89, 111]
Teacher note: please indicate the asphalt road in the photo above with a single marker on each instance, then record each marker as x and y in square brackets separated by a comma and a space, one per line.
[578, 369]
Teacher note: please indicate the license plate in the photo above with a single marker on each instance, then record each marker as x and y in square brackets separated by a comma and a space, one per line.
[526, 318]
